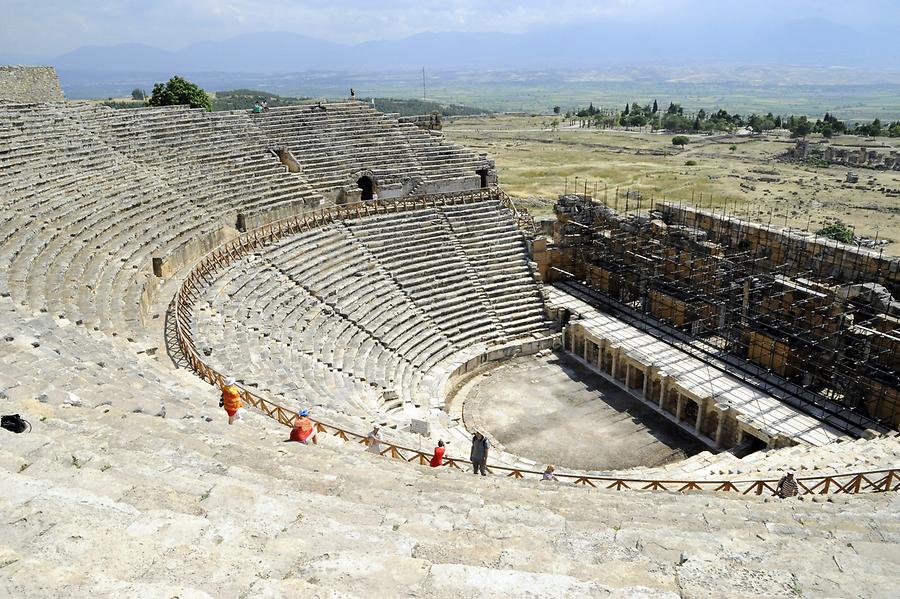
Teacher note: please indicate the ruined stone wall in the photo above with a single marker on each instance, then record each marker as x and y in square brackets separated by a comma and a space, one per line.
[800, 251]
[863, 157]
[551, 259]
[29, 84]
[428, 122]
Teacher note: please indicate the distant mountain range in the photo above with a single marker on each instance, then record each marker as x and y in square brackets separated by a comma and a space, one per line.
[798, 42]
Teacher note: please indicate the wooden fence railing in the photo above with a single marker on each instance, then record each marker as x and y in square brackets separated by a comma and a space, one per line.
[523, 218]
[190, 291]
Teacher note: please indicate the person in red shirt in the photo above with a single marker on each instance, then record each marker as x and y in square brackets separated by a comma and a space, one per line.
[438, 458]
[302, 429]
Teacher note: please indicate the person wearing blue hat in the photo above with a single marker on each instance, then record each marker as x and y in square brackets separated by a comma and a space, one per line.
[302, 429]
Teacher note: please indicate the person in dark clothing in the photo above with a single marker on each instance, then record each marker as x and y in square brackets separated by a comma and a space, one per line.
[479, 454]
[787, 486]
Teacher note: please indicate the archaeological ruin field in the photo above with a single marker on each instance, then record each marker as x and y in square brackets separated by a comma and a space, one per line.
[534, 163]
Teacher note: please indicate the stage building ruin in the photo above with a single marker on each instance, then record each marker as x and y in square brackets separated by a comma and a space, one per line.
[777, 312]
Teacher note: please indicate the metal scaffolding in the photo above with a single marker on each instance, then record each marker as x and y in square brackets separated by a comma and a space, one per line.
[807, 321]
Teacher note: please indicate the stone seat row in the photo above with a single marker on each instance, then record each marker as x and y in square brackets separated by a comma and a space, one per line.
[293, 378]
[430, 278]
[91, 476]
[412, 341]
[95, 245]
[334, 145]
[496, 250]
[293, 320]
[299, 259]
[391, 274]
[362, 308]
[93, 212]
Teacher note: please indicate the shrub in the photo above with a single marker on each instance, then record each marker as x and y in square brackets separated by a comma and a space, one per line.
[691, 163]
[837, 231]
[680, 140]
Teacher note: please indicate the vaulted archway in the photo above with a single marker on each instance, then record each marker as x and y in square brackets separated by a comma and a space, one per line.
[367, 188]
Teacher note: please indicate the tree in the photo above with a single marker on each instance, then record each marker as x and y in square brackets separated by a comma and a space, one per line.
[627, 110]
[675, 123]
[778, 123]
[800, 127]
[680, 140]
[179, 91]
[637, 120]
[556, 109]
[758, 124]
[655, 107]
[696, 125]
[138, 94]
[827, 132]
[875, 128]
[554, 124]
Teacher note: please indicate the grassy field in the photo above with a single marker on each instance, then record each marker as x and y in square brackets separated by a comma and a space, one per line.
[536, 164]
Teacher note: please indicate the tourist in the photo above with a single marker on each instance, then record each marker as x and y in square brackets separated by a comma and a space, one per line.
[257, 107]
[787, 486]
[479, 454]
[231, 399]
[374, 440]
[265, 106]
[548, 473]
[438, 458]
[302, 430]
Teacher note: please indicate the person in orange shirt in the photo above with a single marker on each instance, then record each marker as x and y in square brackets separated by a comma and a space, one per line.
[302, 430]
[231, 399]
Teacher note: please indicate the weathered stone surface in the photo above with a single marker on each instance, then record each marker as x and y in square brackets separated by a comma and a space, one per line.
[29, 84]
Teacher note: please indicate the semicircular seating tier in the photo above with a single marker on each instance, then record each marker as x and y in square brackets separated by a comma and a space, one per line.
[369, 317]
[373, 316]
[335, 144]
[99, 204]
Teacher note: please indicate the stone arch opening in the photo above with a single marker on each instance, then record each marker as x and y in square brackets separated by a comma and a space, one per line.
[710, 424]
[483, 173]
[367, 188]
[689, 412]
[754, 443]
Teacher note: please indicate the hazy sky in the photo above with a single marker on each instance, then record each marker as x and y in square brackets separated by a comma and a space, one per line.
[49, 27]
